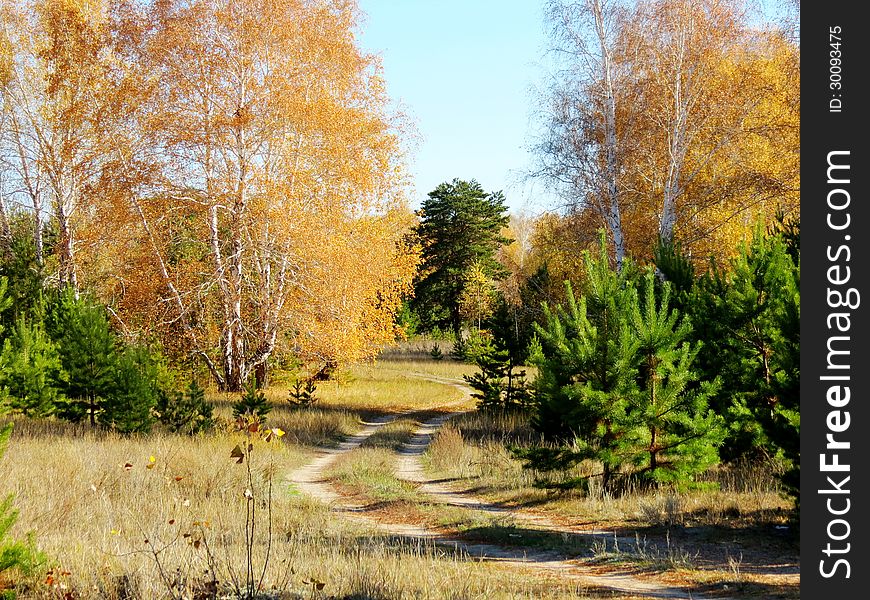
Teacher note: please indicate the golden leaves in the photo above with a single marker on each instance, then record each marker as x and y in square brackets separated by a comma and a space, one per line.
[241, 173]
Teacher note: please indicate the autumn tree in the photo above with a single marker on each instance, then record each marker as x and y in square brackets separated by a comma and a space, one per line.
[581, 151]
[275, 220]
[64, 90]
[461, 226]
[716, 107]
[478, 295]
[671, 120]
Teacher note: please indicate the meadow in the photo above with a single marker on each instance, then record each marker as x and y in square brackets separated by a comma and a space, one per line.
[165, 516]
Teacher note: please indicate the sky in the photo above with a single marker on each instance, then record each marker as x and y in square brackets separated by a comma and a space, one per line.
[464, 71]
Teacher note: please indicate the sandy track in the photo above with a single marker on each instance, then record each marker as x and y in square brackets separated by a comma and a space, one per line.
[311, 480]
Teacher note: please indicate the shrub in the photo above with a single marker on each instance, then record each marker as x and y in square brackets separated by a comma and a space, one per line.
[128, 403]
[88, 352]
[616, 384]
[185, 412]
[302, 394]
[30, 371]
[252, 403]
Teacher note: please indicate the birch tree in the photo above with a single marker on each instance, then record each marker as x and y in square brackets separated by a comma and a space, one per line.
[276, 215]
[63, 96]
[672, 121]
[581, 150]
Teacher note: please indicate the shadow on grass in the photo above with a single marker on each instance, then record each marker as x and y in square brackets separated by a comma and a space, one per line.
[511, 536]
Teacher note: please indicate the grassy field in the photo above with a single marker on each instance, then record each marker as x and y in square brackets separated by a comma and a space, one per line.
[164, 516]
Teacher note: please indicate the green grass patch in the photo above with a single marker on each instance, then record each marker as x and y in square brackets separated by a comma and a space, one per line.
[369, 471]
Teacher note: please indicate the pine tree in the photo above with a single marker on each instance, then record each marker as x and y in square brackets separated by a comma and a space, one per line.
[252, 403]
[31, 374]
[585, 371]
[5, 300]
[24, 269]
[752, 311]
[185, 412]
[674, 267]
[89, 354]
[616, 384]
[302, 393]
[673, 432]
[500, 382]
[127, 404]
[461, 226]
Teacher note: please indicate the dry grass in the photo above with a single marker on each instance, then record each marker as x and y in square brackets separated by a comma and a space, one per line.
[369, 472]
[92, 502]
[315, 425]
[377, 388]
[92, 516]
[392, 435]
[716, 541]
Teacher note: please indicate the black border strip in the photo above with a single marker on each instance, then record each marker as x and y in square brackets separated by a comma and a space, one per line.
[835, 228]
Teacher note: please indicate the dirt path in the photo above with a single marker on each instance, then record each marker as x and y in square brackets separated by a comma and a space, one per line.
[311, 480]
[409, 468]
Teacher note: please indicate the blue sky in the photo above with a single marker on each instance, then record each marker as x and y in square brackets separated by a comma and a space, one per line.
[464, 70]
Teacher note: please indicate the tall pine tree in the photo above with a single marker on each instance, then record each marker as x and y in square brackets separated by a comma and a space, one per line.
[461, 226]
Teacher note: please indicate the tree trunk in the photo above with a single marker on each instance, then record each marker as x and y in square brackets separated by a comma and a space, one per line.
[67, 274]
[261, 374]
[612, 217]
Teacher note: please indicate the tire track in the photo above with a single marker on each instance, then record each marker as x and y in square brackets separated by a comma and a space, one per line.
[311, 480]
